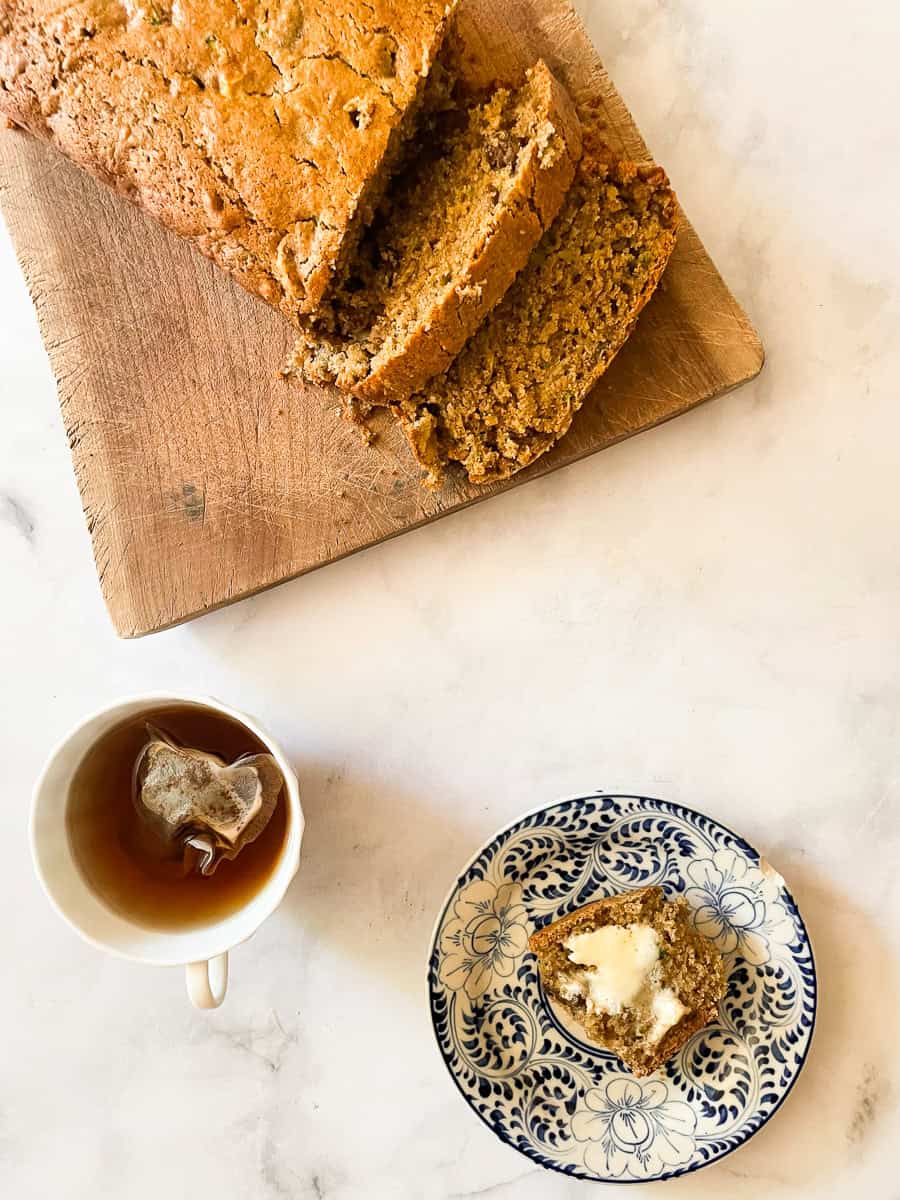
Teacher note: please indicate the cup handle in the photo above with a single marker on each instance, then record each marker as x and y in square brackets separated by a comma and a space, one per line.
[207, 981]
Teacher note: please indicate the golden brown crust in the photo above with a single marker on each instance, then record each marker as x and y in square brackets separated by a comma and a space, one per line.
[694, 969]
[611, 910]
[552, 176]
[264, 134]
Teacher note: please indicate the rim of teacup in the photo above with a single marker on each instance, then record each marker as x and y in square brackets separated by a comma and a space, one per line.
[284, 873]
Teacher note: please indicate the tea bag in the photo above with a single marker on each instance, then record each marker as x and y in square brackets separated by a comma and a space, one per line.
[199, 805]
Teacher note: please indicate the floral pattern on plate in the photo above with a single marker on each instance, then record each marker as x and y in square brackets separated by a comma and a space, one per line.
[563, 1102]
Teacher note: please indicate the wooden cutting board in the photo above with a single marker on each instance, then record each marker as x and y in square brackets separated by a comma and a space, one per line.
[204, 476]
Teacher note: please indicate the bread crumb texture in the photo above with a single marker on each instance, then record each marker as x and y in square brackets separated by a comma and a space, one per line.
[690, 965]
[513, 391]
[459, 222]
[263, 132]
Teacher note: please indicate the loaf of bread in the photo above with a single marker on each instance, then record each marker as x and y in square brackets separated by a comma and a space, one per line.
[486, 297]
[512, 392]
[263, 132]
[457, 225]
[634, 973]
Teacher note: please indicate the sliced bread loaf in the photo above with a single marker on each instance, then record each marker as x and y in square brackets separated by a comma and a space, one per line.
[634, 973]
[460, 223]
[514, 389]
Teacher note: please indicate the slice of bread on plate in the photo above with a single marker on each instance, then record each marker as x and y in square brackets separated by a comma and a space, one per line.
[634, 973]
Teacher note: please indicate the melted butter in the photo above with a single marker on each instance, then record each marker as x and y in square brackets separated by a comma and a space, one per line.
[620, 969]
[666, 1010]
[617, 961]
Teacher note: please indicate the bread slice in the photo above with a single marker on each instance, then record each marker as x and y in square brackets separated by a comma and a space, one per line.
[264, 133]
[460, 223]
[513, 391]
[688, 974]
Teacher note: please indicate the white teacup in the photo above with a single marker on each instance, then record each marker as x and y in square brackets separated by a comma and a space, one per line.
[203, 951]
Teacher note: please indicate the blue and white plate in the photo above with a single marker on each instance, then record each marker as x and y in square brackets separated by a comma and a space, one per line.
[560, 1100]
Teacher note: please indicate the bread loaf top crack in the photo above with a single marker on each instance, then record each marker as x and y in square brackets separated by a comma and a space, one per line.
[263, 132]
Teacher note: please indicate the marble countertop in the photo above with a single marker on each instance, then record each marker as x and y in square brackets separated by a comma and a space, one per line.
[708, 613]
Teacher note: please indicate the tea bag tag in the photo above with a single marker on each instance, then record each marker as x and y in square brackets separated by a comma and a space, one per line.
[201, 806]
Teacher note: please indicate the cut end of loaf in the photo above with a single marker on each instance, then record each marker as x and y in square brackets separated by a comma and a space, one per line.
[265, 138]
[457, 226]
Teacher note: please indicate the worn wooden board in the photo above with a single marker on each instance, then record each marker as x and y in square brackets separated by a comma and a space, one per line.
[204, 476]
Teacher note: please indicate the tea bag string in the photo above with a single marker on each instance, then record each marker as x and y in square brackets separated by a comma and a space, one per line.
[207, 851]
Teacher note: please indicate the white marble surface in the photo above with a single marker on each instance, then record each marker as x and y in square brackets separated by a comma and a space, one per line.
[710, 613]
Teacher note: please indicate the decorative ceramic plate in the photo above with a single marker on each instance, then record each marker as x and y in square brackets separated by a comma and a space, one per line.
[532, 1078]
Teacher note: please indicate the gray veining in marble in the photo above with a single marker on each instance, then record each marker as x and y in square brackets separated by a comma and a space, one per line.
[14, 514]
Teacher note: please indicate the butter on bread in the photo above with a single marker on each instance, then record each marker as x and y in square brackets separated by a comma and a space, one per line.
[634, 973]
